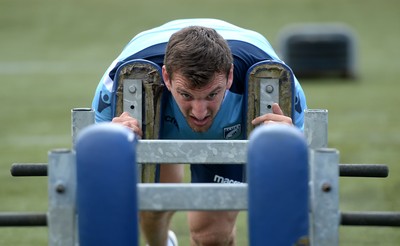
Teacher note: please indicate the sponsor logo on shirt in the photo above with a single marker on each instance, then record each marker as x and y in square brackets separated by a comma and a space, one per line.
[232, 132]
[103, 102]
[297, 104]
[220, 179]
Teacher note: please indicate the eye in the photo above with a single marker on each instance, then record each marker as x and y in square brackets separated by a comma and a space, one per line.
[185, 96]
[212, 95]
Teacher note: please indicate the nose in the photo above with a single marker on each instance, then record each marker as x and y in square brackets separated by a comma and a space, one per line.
[199, 109]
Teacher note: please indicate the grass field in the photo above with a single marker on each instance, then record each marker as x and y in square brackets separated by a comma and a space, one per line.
[53, 53]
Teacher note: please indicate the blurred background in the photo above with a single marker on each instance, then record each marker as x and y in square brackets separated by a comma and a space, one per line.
[53, 53]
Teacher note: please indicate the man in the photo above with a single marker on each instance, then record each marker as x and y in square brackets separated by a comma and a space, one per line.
[204, 65]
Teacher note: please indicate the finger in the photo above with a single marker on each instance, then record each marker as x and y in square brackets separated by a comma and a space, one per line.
[119, 119]
[269, 122]
[124, 117]
[138, 131]
[125, 114]
[265, 118]
[134, 127]
[276, 109]
[272, 118]
[257, 120]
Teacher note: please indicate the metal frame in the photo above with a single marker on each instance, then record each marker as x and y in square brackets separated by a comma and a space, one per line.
[323, 165]
[324, 200]
[159, 197]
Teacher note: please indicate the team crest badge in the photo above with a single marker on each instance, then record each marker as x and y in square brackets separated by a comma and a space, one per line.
[232, 132]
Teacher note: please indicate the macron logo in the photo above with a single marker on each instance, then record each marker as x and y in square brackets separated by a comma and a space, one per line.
[220, 179]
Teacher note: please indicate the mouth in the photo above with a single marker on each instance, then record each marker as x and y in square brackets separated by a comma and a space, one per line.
[200, 123]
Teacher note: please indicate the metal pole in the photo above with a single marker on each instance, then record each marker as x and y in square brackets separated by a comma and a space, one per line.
[345, 170]
[316, 128]
[370, 218]
[22, 219]
[62, 197]
[324, 197]
[28, 169]
[80, 118]
[364, 170]
[147, 193]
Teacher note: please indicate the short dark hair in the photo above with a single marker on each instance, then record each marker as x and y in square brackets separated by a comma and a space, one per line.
[197, 53]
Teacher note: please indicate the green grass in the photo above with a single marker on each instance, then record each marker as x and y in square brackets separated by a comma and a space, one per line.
[53, 53]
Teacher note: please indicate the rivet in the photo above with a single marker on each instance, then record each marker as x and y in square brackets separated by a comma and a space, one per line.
[60, 188]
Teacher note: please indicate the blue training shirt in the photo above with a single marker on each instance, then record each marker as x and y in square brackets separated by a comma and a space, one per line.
[248, 47]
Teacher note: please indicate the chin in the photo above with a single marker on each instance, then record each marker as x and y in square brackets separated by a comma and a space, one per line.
[200, 129]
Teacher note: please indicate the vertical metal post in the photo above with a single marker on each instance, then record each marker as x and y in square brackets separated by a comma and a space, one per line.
[62, 197]
[133, 104]
[277, 171]
[324, 197]
[106, 175]
[316, 128]
[80, 118]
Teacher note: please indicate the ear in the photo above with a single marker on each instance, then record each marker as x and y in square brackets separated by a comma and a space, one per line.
[230, 78]
[166, 78]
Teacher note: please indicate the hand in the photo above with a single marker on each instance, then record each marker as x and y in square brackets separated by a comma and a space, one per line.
[276, 116]
[126, 120]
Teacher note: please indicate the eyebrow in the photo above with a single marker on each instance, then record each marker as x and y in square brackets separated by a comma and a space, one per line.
[180, 90]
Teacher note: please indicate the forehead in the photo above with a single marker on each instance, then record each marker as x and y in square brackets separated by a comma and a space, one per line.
[182, 83]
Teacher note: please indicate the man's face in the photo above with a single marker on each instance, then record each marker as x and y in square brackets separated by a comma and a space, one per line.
[198, 105]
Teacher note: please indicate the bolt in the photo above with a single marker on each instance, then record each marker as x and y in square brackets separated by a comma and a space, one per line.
[60, 188]
[269, 88]
[326, 187]
[132, 89]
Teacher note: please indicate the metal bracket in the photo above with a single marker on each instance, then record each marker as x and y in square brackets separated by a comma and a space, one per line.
[132, 98]
[269, 94]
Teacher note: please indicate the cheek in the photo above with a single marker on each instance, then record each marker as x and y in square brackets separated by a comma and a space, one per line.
[183, 105]
[214, 105]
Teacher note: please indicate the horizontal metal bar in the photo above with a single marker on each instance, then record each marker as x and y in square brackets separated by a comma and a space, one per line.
[11, 219]
[159, 197]
[192, 151]
[370, 218]
[391, 219]
[345, 170]
[28, 169]
[364, 170]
